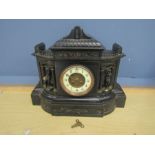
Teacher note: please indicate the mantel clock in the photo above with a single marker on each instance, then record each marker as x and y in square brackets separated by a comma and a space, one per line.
[78, 76]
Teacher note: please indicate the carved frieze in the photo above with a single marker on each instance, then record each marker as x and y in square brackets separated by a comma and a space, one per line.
[76, 54]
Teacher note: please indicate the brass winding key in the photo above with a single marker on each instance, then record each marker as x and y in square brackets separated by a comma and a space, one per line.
[78, 123]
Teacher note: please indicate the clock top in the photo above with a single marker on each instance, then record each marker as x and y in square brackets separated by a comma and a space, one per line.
[78, 45]
[77, 39]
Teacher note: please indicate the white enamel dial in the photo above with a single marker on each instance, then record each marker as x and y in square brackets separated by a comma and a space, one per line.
[77, 80]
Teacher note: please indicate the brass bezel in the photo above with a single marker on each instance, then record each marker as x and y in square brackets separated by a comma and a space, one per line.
[77, 93]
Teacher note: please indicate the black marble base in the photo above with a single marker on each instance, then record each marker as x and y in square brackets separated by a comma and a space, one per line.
[87, 106]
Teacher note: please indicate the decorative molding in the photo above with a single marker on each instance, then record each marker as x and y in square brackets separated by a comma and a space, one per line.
[76, 54]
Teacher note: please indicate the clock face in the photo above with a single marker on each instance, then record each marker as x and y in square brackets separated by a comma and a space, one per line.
[77, 80]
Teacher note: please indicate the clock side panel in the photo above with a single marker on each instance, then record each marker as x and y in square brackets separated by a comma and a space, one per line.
[92, 66]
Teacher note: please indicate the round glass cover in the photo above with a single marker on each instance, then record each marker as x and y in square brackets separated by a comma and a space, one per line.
[77, 80]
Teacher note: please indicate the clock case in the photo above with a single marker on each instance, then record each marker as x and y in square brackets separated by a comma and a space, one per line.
[78, 48]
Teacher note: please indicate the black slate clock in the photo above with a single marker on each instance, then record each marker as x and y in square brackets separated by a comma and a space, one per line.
[78, 77]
